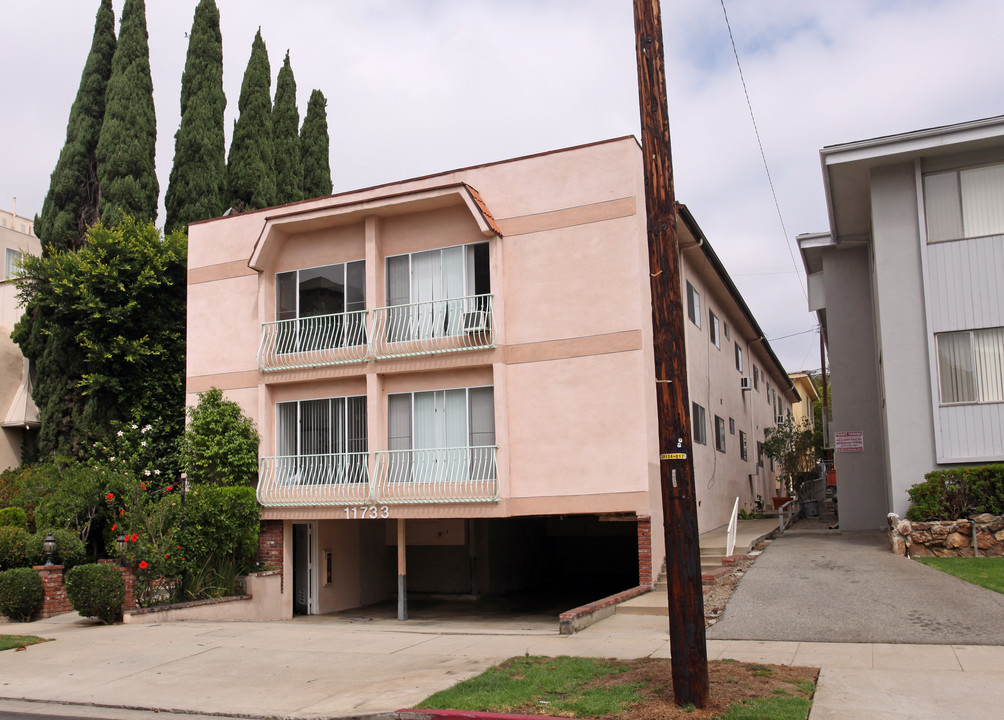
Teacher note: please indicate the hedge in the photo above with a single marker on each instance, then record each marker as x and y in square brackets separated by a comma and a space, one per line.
[96, 590]
[958, 492]
[14, 547]
[70, 550]
[21, 593]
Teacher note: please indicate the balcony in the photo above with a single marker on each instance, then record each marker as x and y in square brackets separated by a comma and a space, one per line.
[297, 480]
[436, 475]
[433, 327]
[313, 342]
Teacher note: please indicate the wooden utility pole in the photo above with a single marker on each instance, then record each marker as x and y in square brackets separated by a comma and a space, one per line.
[689, 654]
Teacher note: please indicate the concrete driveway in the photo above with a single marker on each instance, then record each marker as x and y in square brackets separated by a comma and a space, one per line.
[849, 588]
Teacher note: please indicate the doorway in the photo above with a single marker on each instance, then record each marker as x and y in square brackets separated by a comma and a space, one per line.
[304, 568]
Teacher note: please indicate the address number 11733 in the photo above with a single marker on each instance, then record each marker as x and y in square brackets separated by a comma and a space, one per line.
[364, 512]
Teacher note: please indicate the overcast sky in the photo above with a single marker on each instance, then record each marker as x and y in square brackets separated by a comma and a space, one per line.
[422, 86]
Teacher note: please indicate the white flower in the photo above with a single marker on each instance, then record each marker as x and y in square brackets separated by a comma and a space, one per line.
[156, 472]
[143, 444]
[112, 459]
[134, 427]
[147, 473]
[119, 433]
[147, 427]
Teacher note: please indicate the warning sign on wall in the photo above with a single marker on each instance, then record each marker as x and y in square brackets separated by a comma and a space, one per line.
[851, 441]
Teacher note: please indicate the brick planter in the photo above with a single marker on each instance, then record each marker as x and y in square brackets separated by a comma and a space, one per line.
[947, 538]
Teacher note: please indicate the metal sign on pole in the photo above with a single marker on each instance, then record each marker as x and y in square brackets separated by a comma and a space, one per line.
[688, 650]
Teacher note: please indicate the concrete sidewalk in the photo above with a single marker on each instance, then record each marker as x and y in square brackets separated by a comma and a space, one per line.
[341, 668]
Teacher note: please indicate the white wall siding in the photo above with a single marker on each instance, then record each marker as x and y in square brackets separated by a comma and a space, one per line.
[964, 284]
[971, 433]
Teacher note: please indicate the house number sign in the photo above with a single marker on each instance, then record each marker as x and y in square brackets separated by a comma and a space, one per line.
[361, 512]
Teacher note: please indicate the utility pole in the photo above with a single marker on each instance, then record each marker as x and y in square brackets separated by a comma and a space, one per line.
[688, 649]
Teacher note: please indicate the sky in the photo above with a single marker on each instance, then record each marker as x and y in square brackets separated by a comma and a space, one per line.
[416, 87]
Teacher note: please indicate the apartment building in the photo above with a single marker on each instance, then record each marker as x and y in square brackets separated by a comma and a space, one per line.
[453, 379]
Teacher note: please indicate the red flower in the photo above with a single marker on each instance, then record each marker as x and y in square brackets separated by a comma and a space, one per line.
[115, 526]
[167, 555]
[143, 565]
[122, 511]
[169, 488]
[110, 496]
[135, 537]
[142, 486]
[179, 547]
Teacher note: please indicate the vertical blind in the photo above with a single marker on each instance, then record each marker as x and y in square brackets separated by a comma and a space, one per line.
[964, 203]
[971, 366]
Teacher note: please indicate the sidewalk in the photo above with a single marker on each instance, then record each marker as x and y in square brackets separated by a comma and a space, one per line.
[339, 668]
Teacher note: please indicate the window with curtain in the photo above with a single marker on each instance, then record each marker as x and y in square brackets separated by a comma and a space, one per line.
[714, 328]
[319, 299]
[438, 293]
[693, 305]
[964, 203]
[13, 257]
[719, 434]
[700, 422]
[323, 440]
[971, 366]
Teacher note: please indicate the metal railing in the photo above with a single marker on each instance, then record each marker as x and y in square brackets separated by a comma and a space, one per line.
[786, 514]
[436, 326]
[313, 341]
[336, 479]
[436, 475]
[730, 538]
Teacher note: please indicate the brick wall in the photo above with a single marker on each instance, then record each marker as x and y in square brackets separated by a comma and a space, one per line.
[644, 550]
[270, 545]
[54, 600]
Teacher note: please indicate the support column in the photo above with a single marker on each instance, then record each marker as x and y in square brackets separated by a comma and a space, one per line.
[402, 573]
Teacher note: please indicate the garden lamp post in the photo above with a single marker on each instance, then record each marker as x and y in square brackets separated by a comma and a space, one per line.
[120, 543]
[49, 545]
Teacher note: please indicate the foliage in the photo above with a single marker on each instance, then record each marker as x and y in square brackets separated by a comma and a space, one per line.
[63, 493]
[314, 148]
[70, 550]
[116, 313]
[221, 443]
[8, 642]
[71, 204]
[221, 523]
[96, 590]
[126, 170]
[285, 130]
[14, 547]
[251, 163]
[790, 444]
[21, 593]
[13, 517]
[986, 572]
[958, 492]
[197, 186]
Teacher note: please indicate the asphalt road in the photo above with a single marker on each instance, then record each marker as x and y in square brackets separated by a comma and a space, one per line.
[849, 587]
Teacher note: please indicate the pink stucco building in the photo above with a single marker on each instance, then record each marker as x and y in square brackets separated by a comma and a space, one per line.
[460, 366]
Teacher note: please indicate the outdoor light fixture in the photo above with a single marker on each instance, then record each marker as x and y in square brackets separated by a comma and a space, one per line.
[120, 544]
[49, 545]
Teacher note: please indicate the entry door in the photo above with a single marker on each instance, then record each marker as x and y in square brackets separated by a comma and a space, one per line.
[304, 569]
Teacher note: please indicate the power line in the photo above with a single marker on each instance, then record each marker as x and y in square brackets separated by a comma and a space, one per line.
[763, 156]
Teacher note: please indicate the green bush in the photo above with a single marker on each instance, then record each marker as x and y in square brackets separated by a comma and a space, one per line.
[13, 517]
[958, 492]
[220, 446]
[221, 523]
[14, 547]
[70, 550]
[96, 590]
[21, 593]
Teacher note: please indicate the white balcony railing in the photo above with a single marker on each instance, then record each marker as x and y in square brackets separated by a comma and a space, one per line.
[337, 479]
[436, 475]
[437, 326]
[313, 341]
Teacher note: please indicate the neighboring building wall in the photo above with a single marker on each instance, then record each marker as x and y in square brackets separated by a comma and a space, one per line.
[803, 409]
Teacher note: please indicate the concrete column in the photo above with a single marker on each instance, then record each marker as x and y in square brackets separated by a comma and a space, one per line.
[402, 572]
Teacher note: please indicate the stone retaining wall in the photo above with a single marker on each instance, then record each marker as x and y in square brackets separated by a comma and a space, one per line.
[947, 538]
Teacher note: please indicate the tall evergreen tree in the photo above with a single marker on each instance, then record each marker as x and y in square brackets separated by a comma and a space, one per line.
[285, 130]
[251, 163]
[126, 148]
[71, 205]
[314, 148]
[198, 183]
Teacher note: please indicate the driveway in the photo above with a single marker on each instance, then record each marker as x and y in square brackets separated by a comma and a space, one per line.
[848, 587]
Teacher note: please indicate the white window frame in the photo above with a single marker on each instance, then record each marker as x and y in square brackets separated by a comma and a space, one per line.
[719, 433]
[12, 256]
[693, 304]
[983, 375]
[715, 329]
[964, 203]
[739, 358]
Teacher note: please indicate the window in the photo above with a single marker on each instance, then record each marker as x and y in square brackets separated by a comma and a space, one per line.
[322, 441]
[700, 422]
[719, 434]
[450, 433]
[10, 266]
[438, 293]
[728, 332]
[759, 454]
[971, 366]
[964, 203]
[732, 426]
[321, 307]
[739, 358]
[715, 329]
[756, 378]
[693, 305]
[743, 454]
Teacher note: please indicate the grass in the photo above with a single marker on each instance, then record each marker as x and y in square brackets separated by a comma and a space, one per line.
[629, 690]
[986, 572]
[15, 641]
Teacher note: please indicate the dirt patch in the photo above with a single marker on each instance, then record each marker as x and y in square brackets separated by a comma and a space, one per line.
[716, 595]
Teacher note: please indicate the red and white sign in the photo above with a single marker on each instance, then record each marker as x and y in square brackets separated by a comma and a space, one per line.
[852, 441]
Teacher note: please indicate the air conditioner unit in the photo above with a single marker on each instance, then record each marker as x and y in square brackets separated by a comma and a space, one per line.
[745, 383]
[779, 419]
[476, 321]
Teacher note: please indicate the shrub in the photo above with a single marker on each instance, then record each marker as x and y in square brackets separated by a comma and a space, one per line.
[13, 517]
[70, 550]
[958, 492]
[14, 547]
[221, 523]
[96, 590]
[21, 593]
[221, 442]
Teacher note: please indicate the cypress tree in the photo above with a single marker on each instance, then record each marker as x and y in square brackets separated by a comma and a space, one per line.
[126, 148]
[198, 183]
[71, 204]
[314, 148]
[251, 163]
[285, 129]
